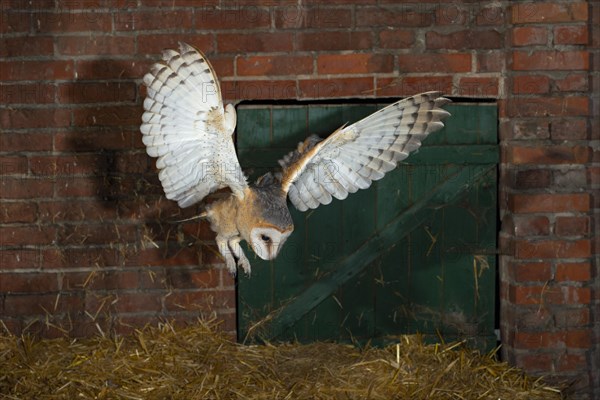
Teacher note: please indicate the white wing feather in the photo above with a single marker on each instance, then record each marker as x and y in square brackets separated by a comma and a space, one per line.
[354, 156]
[186, 127]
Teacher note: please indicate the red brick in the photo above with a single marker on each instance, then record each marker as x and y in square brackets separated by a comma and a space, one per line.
[76, 210]
[17, 142]
[531, 226]
[24, 188]
[455, 62]
[409, 85]
[529, 35]
[13, 165]
[274, 65]
[579, 272]
[28, 283]
[531, 271]
[101, 280]
[160, 257]
[57, 22]
[112, 69]
[78, 187]
[297, 17]
[580, 339]
[491, 61]
[95, 45]
[478, 87]
[21, 258]
[531, 203]
[384, 16]
[571, 34]
[533, 179]
[569, 129]
[240, 17]
[571, 362]
[451, 14]
[123, 115]
[331, 41]
[531, 84]
[396, 38]
[258, 89]
[27, 46]
[539, 340]
[41, 304]
[36, 70]
[193, 278]
[193, 301]
[93, 257]
[92, 92]
[88, 233]
[31, 93]
[244, 43]
[67, 165]
[27, 235]
[354, 63]
[569, 318]
[94, 4]
[155, 43]
[548, 106]
[17, 212]
[492, 15]
[77, 141]
[14, 22]
[28, 118]
[527, 249]
[573, 83]
[531, 129]
[338, 87]
[550, 60]
[534, 362]
[223, 65]
[137, 302]
[549, 12]
[465, 39]
[572, 226]
[529, 295]
[152, 20]
[549, 155]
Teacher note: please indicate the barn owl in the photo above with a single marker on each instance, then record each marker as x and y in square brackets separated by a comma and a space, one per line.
[187, 127]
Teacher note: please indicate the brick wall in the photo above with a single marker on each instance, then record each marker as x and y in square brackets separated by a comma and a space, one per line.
[87, 241]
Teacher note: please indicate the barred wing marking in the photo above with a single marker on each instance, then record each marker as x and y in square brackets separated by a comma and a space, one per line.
[187, 128]
[354, 156]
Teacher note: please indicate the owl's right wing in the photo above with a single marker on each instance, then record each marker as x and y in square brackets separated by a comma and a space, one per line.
[186, 126]
[354, 156]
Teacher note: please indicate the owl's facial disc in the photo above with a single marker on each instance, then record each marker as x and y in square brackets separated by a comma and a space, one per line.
[266, 242]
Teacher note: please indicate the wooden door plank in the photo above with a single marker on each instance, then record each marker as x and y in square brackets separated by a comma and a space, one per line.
[351, 265]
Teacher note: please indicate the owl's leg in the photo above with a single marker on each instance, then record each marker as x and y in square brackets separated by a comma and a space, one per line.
[222, 244]
[234, 245]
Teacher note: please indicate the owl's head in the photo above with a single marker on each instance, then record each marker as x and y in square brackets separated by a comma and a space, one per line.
[267, 241]
[273, 223]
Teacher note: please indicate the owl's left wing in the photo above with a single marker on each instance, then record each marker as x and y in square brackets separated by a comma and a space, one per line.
[354, 156]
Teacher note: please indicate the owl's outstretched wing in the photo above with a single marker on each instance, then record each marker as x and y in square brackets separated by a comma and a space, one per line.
[187, 128]
[354, 156]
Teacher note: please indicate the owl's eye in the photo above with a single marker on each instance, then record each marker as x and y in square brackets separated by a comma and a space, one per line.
[265, 238]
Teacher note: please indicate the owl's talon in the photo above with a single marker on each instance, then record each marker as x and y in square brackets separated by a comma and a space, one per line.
[244, 264]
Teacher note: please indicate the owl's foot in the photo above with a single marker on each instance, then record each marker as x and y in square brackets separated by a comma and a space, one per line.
[236, 249]
[245, 265]
[227, 255]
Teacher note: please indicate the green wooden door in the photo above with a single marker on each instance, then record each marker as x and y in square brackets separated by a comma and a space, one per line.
[413, 253]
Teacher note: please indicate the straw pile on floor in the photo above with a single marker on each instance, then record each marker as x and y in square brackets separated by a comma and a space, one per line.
[199, 363]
